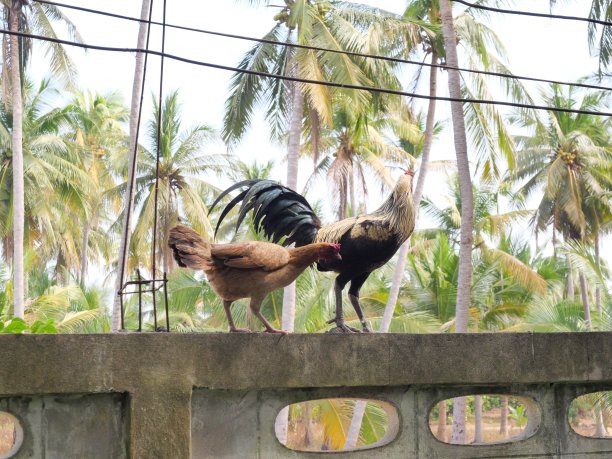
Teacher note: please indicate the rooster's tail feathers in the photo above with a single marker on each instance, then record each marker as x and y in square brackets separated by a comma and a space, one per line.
[277, 210]
[232, 203]
[189, 248]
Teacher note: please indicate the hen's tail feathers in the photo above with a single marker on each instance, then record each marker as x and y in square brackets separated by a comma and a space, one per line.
[278, 211]
[189, 248]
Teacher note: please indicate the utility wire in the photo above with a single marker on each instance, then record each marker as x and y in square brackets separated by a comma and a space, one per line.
[307, 81]
[529, 13]
[315, 48]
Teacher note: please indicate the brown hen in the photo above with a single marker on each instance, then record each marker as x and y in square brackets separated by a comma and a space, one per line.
[247, 269]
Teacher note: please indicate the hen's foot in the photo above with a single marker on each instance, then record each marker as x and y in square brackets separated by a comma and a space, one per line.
[341, 327]
[366, 328]
[239, 330]
[278, 332]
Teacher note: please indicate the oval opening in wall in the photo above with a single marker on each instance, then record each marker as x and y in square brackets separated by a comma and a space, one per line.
[11, 435]
[337, 424]
[590, 415]
[489, 419]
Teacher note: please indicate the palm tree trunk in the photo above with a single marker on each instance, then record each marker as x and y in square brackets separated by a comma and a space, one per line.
[570, 282]
[398, 274]
[288, 314]
[353, 198]
[478, 437]
[463, 168]
[84, 254]
[352, 435]
[281, 425]
[600, 426]
[584, 293]
[295, 136]
[467, 205]
[598, 300]
[598, 286]
[18, 181]
[458, 433]
[293, 149]
[402, 257]
[441, 430]
[503, 416]
[129, 198]
[308, 434]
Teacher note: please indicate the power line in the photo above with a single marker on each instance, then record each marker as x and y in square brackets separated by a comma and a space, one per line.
[529, 13]
[303, 80]
[348, 53]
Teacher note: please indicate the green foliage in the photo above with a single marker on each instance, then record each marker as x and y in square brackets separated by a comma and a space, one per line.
[519, 415]
[18, 326]
[75, 167]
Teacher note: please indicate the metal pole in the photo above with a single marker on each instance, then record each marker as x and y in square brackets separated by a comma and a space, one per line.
[166, 301]
[139, 301]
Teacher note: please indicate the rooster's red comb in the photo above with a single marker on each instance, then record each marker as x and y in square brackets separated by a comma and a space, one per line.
[336, 246]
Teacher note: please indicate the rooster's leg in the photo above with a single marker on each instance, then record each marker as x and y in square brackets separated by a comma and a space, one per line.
[255, 305]
[341, 327]
[353, 295]
[230, 319]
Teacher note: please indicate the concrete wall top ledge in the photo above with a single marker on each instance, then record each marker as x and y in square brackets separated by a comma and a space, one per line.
[125, 362]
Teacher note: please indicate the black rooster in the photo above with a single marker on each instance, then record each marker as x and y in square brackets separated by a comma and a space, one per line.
[367, 241]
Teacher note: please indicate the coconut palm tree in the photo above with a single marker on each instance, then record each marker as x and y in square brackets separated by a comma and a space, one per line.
[488, 131]
[21, 16]
[567, 157]
[489, 261]
[182, 186]
[135, 112]
[490, 227]
[455, 90]
[358, 144]
[602, 10]
[97, 135]
[54, 182]
[51, 308]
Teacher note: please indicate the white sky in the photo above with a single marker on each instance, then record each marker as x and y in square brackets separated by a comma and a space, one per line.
[550, 49]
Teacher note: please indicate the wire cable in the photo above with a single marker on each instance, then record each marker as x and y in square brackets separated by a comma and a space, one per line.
[303, 80]
[529, 13]
[348, 53]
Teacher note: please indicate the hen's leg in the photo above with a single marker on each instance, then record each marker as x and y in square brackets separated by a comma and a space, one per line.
[255, 305]
[230, 319]
[353, 295]
[341, 327]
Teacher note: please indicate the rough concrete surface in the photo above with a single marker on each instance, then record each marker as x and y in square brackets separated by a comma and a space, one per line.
[175, 396]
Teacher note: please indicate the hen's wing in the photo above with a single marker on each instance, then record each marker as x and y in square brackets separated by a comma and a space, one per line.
[251, 254]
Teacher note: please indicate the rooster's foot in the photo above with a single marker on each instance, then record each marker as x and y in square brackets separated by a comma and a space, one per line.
[239, 330]
[366, 328]
[341, 327]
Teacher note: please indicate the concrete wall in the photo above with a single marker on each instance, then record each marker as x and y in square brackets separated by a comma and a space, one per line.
[217, 395]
